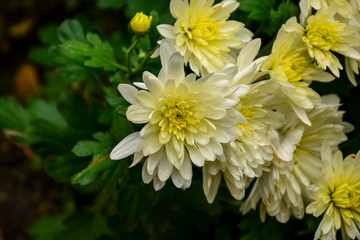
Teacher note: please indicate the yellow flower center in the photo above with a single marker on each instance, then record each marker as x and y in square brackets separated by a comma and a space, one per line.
[203, 31]
[294, 65]
[323, 35]
[177, 115]
[346, 196]
[249, 113]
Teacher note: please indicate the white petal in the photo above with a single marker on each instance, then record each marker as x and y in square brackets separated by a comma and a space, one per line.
[167, 31]
[248, 53]
[126, 147]
[158, 184]
[146, 177]
[175, 68]
[128, 92]
[140, 85]
[177, 179]
[167, 49]
[165, 169]
[186, 168]
[196, 157]
[211, 185]
[301, 113]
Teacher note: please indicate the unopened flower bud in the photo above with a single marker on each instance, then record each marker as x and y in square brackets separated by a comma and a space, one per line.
[140, 24]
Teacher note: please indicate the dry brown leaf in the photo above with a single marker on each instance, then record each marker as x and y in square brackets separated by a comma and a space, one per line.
[26, 81]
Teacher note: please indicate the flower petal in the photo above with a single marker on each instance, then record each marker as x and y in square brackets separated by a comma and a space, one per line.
[126, 147]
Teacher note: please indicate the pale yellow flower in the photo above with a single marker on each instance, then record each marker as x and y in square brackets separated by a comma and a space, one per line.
[186, 120]
[203, 35]
[346, 9]
[244, 158]
[291, 67]
[140, 23]
[296, 163]
[323, 35]
[337, 195]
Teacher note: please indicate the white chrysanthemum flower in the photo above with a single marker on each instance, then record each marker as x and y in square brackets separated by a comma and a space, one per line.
[347, 12]
[297, 161]
[291, 67]
[337, 195]
[244, 158]
[346, 9]
[186, 120]
[203, 35]
[323, 35]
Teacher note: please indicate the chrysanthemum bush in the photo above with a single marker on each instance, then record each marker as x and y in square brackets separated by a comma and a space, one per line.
[237, 112]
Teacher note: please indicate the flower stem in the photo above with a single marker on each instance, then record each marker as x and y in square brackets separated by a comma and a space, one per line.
[143, 62]
[128, 54]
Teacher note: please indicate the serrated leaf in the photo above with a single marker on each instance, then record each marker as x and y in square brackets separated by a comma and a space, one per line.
[99, 54]
[71, 30]
[98, 149]
[102, 173]
[258, 9]
[13, 116]
[62, 168]
[90, 173]
[63, 57]
[75, 73]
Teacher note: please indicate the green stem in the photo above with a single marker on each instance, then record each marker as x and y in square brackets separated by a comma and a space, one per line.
[143, 62]
[128, 54]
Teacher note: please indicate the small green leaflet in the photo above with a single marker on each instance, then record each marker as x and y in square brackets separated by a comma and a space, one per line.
[99, 54]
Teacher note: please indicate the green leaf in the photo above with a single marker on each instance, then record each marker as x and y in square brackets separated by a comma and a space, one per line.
[13, 116]
[99, 54]
[285, 11]
[40, 109]
[46, 228]
[41, 56]
[62, 168]
[119, 103]
[48, 34]
[63, 57]
[55, 129]
[76, 73]
[258, 9]
[98, 149]
[89, 226]
[134, 6]
[71, 30]
[114, 4]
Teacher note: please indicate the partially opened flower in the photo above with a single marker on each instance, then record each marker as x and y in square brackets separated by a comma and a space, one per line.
[203, 35]
[346, 10]
[323, 35]
[186, 119]
[291, 67]
[336, 195]
[140, 24]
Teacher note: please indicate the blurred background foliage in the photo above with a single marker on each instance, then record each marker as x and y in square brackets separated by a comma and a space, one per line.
[61, 114]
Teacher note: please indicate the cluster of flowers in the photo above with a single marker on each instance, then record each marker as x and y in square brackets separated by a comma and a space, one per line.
[250, 120]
